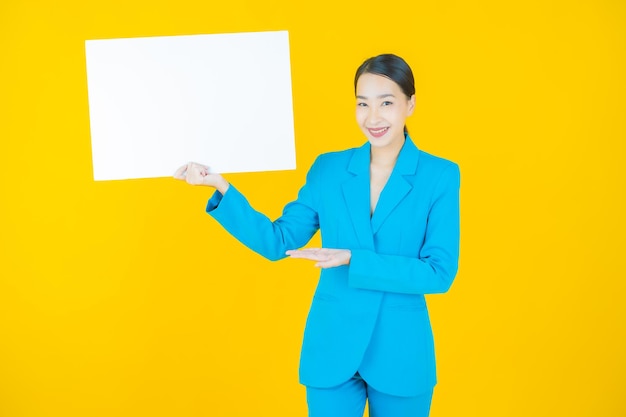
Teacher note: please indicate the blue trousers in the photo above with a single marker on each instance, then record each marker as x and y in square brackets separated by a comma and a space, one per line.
[348, 400]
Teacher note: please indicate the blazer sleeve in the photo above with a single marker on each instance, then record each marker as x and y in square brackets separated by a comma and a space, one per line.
[271, 239]
[436, 266]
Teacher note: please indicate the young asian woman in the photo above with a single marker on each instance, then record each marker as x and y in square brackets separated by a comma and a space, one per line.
[388, 214]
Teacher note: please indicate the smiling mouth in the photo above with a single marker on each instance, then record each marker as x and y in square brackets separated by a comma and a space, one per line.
[378, 132]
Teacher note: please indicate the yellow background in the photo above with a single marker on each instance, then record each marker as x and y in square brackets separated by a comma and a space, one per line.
[125, 299]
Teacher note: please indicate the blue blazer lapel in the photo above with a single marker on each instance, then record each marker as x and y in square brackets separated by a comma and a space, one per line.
[356, 193]
[397, 186]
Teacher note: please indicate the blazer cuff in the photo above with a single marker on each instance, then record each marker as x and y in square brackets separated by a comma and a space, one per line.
[359, 273]
[214, 201]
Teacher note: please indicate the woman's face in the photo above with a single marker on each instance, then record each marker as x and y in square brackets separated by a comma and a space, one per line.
[381, 110]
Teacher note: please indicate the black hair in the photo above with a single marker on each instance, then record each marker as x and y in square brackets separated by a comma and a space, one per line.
[392, 67]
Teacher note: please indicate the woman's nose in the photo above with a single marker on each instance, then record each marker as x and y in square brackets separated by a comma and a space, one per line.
[373, 116]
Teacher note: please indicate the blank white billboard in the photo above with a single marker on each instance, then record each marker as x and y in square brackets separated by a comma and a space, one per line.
[157, 103]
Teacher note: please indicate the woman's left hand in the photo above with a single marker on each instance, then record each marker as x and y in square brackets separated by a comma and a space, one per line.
[326, 258]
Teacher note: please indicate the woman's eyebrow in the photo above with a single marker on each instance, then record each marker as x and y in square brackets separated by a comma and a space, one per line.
[380, 96]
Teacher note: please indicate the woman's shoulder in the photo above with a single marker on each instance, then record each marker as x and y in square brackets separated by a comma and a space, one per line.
[335, 158]
[438, 170]
[434, 162]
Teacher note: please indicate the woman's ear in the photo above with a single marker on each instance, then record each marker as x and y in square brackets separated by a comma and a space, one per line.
[411, 105]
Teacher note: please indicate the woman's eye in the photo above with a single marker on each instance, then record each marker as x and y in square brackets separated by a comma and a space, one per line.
[387, 103]
[361, 104]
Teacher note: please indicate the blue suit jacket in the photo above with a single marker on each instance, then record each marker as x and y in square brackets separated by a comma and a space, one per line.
[369, 316]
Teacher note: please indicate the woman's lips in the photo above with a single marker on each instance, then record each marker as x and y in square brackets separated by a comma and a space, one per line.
[378, 132]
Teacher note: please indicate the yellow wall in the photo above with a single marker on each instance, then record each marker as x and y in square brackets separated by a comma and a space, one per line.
[124, 299]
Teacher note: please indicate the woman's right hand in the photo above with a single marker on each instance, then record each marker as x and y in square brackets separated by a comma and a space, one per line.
[198, 174]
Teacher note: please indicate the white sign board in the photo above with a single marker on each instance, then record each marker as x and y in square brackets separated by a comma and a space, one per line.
[222, 100]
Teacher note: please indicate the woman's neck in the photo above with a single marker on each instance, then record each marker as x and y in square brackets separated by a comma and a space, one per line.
[386, 156]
